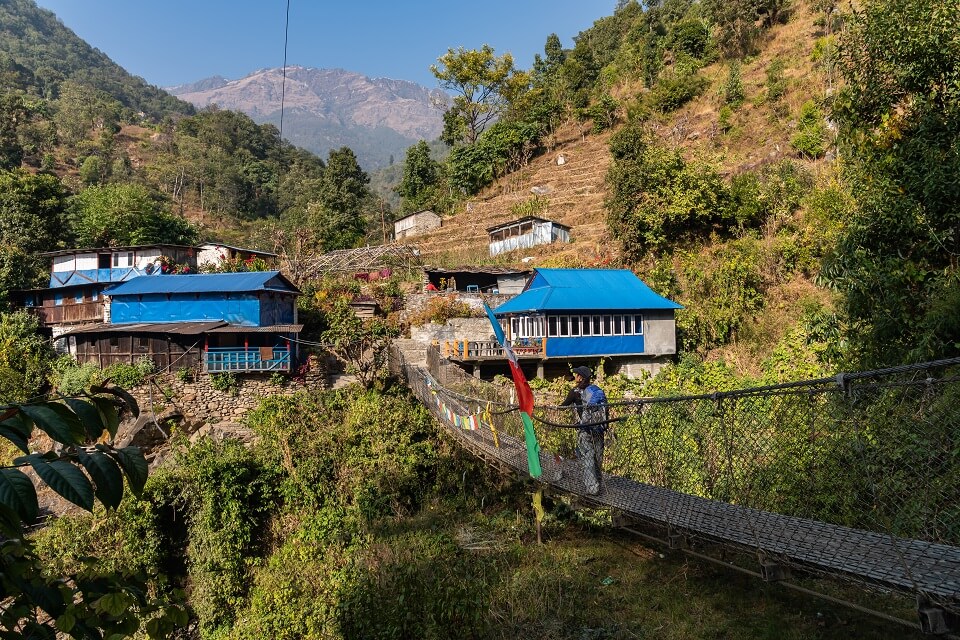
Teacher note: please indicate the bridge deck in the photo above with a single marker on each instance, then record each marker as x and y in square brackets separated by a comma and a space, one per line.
[912, 566]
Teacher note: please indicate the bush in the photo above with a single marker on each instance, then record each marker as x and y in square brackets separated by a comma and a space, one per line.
[733, 93]
[129, 375]
[676, 88]
[811, 138]
[441, 308]
[226, 382]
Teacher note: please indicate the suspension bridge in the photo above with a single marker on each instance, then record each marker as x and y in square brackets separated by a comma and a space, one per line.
[854, 477]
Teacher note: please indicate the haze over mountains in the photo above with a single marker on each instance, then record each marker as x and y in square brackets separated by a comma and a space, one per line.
[379, 118]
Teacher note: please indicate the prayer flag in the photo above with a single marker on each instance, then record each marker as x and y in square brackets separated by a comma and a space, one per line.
[524, 398]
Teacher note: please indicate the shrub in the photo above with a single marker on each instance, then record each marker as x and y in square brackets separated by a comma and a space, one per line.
[723, 119]
[776, 82]
[811, 138]
[441, 308]
[226, 381]
[129, 375]
[733, 94]
[676, 88]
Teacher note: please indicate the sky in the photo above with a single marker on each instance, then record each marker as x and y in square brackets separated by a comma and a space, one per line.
[171, 42]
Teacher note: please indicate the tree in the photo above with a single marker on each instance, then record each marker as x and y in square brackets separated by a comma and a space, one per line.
[337, 218]
[899, 115]
[83, 469]
[125, 214]
[31, 211]
[481, 82]
[25, 356]
[13, 114]
[420, 176]
[360, 345]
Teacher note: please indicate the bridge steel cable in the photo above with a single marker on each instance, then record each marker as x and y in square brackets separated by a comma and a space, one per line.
[854, 477]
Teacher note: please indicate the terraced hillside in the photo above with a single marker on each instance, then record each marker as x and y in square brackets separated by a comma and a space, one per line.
[573, 193]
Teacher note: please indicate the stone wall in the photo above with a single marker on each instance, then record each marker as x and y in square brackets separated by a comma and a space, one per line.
[199, 402]
[453, 329]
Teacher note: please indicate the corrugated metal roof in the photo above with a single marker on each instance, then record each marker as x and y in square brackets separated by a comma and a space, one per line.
[585, 290]
[526, 219]
[276, 328]
[181, 328]
[494, 271]
[204, 283]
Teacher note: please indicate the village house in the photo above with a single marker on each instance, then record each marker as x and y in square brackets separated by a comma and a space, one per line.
[415, 224]
[566, 316]
[78, 277]
[526, 233]
[241, 322]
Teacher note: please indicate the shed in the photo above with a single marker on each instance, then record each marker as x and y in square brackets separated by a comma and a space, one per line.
[470, 279]
[525, 233]
[415, 224]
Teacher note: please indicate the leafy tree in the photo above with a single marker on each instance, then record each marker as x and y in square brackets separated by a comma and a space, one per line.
[25, 357]
[657, 198]
[91, 603]
[899, 115]
[31, 211]
[338, 217]
[82, 111]
[482, 83]
[733, 94]
[420, 176]
[360, 345]
[125, 214]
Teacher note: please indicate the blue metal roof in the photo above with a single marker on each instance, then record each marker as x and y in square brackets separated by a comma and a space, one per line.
[205, 283]
[585, 290]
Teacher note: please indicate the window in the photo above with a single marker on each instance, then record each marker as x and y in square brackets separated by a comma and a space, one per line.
[103, 261]
[143, 342]
[597, 328]
[564, 326]
[618, 326]
[552, 326]
[574, 325]
[123, 259]
[114, 342]
[58, 299]
[94, 295]
[78, 297]
[638, 325]
[607, 325]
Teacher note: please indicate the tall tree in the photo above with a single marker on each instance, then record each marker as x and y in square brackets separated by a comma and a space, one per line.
[899, 113]
[420, 176]
[481, 82]
[337, 218]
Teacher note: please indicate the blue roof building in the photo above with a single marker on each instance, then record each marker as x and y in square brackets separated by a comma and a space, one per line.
[243, 321]
[591, 313]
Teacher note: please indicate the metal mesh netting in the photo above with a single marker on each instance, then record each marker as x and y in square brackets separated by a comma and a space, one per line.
[855, 477]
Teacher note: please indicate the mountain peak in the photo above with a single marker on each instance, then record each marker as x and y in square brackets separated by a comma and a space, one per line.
[324, 109]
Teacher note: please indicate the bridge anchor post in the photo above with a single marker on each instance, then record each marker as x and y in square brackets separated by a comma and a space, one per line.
[678, 541]
[934, 619]
[773, 571]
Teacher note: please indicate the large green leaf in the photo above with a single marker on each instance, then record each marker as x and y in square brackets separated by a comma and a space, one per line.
[53, 423]
[89, 417]
[14, 436]
[133, 463]
[10, 524]
[106, 476]
[109, 412]
[65, 479]
[18, 493]
[122, 394]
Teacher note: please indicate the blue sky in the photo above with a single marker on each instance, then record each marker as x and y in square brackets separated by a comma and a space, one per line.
[172, 42]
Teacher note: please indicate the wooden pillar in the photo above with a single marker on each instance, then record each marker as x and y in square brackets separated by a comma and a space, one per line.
[540, 369]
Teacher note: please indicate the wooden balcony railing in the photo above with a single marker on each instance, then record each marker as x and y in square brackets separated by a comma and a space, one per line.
[247, 359]
[466, 350]
[69, 313]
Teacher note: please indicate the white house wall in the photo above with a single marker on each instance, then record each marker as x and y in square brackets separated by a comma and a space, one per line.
[660, 332]
[542, 233]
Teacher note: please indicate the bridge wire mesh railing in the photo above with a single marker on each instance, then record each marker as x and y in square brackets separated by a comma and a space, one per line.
[812, 471]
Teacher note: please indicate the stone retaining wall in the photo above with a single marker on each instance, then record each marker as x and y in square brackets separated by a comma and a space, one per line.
[199, 402]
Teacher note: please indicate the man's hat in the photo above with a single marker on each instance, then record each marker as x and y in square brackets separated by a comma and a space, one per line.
[584, 371]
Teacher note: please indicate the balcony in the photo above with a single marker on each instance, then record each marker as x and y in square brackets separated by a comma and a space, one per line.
[250, 359]
[479, 350]
[73, 313]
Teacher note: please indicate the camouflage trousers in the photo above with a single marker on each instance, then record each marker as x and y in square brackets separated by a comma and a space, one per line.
[590, 452]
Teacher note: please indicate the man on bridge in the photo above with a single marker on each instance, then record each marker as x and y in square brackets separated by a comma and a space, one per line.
[590, 402]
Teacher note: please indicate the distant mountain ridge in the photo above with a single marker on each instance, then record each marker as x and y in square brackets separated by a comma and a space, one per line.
[379, 118]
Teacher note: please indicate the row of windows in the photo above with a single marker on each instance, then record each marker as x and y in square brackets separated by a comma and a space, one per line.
[576, 326]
